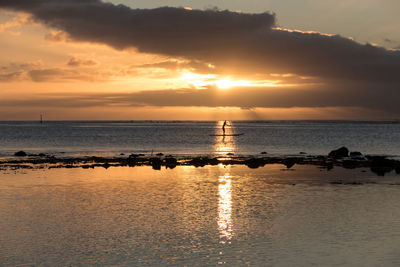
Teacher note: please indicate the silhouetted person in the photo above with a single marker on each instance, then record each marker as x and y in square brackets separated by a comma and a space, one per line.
[223, 127]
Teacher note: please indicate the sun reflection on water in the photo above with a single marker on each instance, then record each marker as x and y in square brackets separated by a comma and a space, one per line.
[225, 208]
[225, 146]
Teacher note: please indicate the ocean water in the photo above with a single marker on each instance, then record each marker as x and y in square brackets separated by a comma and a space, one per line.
[110, 138]
[211, 216]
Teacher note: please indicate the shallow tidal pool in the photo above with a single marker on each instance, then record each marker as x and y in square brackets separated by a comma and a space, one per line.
[187, 216]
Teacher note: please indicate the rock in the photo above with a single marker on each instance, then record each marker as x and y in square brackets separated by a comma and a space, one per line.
[254, 163]
[131, 161]
[302, 153]
[159, 154]
[289, 162]
[198, 162]
[230, 154]
[20, 154]
[381, 165]
[264, 153]
[397, 169]
[42, 155]
[375, 158]
[213, 161]
[339, 153]
[134, 156]
[201, 162]
[170, 162]
[328, 165]
[156, 163]
[350, 164]
[356, 154]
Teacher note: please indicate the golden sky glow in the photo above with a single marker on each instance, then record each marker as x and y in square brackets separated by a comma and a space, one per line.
[65, 67]
[46, 70]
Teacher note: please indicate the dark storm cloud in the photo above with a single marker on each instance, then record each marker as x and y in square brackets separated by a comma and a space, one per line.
[226, 39]
[123, 27]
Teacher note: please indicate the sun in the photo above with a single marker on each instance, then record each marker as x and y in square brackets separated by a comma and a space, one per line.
[227, 84]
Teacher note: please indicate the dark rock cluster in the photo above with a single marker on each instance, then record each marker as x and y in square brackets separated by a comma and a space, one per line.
[341, 157]
[339, 153]
[20, 154]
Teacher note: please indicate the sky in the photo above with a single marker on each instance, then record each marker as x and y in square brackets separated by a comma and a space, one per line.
[199, 60]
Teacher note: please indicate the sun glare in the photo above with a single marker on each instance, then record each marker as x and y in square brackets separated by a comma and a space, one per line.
[226, 84]
[202, 81]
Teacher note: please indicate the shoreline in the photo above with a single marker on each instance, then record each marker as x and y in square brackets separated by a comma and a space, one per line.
[379, 165]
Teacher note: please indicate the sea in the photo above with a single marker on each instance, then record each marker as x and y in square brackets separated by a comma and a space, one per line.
[222, 215]
[113, 138]
[210, 216]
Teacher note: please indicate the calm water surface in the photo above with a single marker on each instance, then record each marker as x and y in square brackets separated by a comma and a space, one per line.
[187, 216]
[113, 138]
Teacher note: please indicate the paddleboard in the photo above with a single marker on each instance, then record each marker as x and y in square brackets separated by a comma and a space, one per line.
[227, 134]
